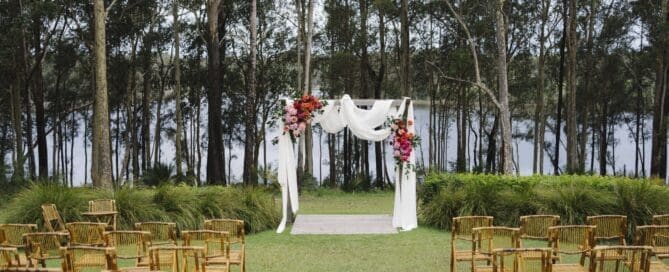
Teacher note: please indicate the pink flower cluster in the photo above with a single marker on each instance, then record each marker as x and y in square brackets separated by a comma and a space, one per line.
[403, 141]
[298, 115]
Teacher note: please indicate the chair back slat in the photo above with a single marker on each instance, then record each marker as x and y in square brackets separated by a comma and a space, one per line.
[215, 243]
[232, 226]
[102, 205]
[536, 226]
[86, 233]
[609, 227]
[78, 258]
[177, 258]
[161, 232]
[661, 219]
[461, 227]
[42, 246]
[12, 234]
[129, 244]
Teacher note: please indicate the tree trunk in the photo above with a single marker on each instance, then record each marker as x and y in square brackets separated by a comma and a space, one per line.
[177, 88]
[558, 123]
[215, 155]
[250, 162]
[539, 115]
[405, 62]
[505, 114]
[101, 172]
[658, 163]
[572, 133]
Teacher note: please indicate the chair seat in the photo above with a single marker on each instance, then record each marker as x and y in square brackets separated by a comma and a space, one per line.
[569, 268]
[210, 268]
[467, 256]
[235, 258]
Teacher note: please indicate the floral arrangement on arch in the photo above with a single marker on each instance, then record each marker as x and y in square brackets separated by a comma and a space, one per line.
[298, 115]
[402, 141]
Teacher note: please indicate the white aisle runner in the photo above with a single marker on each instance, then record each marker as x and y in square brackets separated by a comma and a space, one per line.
[343, 224]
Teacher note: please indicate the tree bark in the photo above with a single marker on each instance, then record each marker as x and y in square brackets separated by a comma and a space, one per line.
[177, 88]
[250, 162]
[558, 123]
[215, 155]
[505, 114]
[539, 115]
[658, 163]
[572, 133]
[101, 172]
[405, 62]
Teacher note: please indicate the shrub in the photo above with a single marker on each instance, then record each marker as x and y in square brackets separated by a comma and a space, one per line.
[444, 196]
[185, 205]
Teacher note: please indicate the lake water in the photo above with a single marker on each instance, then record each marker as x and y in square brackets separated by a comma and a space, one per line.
[624, 149]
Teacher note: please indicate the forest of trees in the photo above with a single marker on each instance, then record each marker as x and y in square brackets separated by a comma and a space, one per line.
[208, 75]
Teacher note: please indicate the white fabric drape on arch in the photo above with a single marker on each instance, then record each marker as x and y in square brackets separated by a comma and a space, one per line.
[363, 124]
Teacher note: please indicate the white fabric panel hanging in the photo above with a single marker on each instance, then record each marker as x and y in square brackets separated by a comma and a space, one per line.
[404, 212]
[363, 124]
[287, 175]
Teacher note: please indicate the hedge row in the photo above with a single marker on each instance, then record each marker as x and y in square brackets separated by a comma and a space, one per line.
[185, 205]
[444, 196]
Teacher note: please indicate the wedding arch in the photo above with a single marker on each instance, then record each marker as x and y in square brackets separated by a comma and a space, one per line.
[367, 125]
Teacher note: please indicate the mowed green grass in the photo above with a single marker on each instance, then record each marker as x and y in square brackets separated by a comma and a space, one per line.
[423, 249]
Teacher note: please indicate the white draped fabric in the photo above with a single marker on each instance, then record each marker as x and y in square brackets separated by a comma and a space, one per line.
[364, 124]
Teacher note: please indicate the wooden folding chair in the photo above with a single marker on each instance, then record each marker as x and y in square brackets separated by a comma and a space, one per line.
[162, 233]
[86, 233]
[52, 220]
[575, 240]
[487, 239]
[43, 246]
[78, 258]
[626, 258]
[461, 230]
[215, 243]
[130, 245]
[104, 211]
[237, 239]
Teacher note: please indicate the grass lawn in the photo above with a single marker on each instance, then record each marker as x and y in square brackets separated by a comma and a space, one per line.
[423, 249]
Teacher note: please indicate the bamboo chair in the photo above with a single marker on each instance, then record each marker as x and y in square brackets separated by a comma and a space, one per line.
[662, 219]
[162, 233]
[571, 240]
[216, 246]
[78, 258]
[461, 230]
[52, 220]
[130, 245]
[535, 227]
[628, 258]
[13, 237]
[655, 236]
[178, 258]
[237, 239]
[609, 227]
[43, 246]
[86, 233]
[9, 257]
[487, 239]
[104, 211]
[522, 260]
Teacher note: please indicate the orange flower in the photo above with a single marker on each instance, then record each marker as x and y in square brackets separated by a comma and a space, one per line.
[410, 122]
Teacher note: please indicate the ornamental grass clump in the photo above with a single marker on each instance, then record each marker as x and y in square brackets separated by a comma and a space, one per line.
[185, 205]
[573, 198]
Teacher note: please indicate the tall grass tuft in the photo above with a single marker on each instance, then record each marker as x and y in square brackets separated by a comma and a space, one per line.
[445, 196]
[187, 206]
[25, 207]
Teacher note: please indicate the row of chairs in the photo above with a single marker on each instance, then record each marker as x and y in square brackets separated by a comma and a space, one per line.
[166, 258]
[625, 258]
[574, 240]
